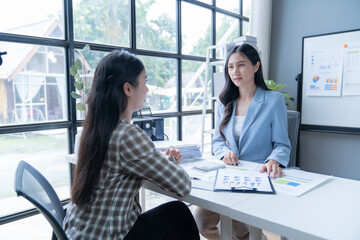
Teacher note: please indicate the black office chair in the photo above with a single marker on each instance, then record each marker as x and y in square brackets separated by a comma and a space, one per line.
[33, 186]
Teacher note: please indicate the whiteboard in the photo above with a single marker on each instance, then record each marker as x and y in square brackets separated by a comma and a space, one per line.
[331, 81]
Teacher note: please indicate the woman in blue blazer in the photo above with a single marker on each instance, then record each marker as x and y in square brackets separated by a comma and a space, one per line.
[251, 125]
[263, 137]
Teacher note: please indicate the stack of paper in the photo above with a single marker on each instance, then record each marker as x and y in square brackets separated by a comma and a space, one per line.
[190, 152]
[245, 39]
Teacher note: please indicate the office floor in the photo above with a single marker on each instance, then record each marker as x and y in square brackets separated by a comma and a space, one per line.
[269, 235]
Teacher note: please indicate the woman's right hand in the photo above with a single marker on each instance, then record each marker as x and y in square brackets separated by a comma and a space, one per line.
[231, 159]
[175, 153]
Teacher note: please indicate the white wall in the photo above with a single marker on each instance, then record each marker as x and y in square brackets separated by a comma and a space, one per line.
[328, 153]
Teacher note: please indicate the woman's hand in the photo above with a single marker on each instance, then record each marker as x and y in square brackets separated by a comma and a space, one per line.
[273, 167]
[231, 159]
[174, 152]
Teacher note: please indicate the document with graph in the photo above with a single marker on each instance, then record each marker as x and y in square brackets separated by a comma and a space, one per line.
[297, 182]
[229, 179]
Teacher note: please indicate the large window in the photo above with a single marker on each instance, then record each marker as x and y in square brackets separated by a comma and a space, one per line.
[34, 85]
[32, 18]
[38, 118]
[45, 150]
[196, 32]
[156, 25]
[102, 21]
[161, 81]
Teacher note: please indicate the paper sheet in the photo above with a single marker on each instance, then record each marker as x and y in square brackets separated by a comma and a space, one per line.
[205, 179]
[297, 182]
[232, 178]
[294, 183]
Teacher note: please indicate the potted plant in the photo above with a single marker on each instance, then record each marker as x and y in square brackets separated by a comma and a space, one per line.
[81, 72]
[272, 85]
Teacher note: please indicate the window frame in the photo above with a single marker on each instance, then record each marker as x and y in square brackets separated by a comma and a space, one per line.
[69, 44]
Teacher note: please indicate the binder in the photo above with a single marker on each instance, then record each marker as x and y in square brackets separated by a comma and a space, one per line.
[247, 181]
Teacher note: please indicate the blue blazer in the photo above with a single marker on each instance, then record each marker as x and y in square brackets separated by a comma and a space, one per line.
[264, 135]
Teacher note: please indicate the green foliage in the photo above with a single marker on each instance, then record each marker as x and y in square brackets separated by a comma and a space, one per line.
[272, 85]
[102, 21]
[79, 71]
[107, 22]
[80, 106]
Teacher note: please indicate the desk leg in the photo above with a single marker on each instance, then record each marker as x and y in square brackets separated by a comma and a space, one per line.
[225, 227]
[255, 233]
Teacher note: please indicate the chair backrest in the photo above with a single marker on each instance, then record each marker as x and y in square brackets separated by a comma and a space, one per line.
[293, 132]
[33, 186]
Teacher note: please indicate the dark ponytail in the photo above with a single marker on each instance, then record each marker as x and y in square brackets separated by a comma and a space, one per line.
[106, 101]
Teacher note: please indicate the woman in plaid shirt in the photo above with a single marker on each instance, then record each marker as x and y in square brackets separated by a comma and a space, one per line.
[115, 157]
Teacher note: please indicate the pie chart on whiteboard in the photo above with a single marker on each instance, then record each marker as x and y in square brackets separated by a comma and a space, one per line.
[316, 79]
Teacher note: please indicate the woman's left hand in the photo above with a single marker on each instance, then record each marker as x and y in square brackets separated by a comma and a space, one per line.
[175, 153]
[273, 169]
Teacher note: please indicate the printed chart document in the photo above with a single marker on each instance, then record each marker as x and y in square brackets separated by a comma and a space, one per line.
[297, 182]
[229, 179]
[205, 179]
[325, 72]
[351, 74]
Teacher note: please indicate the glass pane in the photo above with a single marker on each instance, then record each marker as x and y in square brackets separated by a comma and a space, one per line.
[170, 128]
[219, 68]
[196, 35]
[156, 25]
[227, 28]
[229, 5]
[246, 28]
[246, 4]
[44, 150]
[161, 81]
[32, 228]
[193, 75]
[192, 132]
[102, 21]
[32, 84]
[39, 18]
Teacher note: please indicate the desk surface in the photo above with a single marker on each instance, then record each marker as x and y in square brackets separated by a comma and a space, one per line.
[329, 211]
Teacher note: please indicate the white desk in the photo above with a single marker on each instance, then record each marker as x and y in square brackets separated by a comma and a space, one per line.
[220, 202]
[330, 211]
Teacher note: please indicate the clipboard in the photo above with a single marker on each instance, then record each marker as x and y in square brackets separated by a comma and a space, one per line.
[246, 181]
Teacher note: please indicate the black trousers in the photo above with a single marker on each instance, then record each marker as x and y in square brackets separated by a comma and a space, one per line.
[169, 221]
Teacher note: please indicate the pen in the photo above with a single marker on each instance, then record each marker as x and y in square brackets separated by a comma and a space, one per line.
[195, 178]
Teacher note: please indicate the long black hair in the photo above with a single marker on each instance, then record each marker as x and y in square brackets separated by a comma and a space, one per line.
[106, 101]
[230, 91]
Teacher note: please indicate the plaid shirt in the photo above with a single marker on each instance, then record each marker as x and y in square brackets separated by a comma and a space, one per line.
[131, 158]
